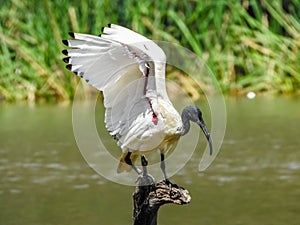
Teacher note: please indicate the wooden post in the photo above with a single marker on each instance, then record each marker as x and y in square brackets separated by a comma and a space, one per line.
[148, 198]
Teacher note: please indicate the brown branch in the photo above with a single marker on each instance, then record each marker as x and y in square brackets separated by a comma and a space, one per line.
[148, 198]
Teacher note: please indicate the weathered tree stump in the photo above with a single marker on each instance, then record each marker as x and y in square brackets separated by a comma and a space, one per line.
[148, 198]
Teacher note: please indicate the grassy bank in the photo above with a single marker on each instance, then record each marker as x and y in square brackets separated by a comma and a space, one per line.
[250, 46]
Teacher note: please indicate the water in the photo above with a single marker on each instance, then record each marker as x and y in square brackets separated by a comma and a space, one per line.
[254, 179]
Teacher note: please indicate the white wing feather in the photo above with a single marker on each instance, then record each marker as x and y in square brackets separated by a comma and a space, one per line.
[130, 70]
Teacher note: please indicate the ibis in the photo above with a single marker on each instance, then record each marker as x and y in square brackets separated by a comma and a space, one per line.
[129, 69]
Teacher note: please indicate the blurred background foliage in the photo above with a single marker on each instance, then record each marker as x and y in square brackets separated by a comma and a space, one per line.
[250, 45]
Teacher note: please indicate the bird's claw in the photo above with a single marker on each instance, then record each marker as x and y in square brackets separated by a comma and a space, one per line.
[169, 183]
[145, 179]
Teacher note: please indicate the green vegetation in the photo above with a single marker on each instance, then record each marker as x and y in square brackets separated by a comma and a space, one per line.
[249, 45]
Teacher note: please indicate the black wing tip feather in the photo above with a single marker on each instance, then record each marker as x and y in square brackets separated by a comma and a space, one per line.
[65, 42]
[69, 66]
[65, 52]
[66, 59]
[102, 29]
[77, 73]
[71, 34]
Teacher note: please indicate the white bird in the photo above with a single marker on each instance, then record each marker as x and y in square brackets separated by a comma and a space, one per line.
[130, 71]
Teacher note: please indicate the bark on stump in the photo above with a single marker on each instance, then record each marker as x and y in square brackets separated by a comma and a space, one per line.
[148, 198]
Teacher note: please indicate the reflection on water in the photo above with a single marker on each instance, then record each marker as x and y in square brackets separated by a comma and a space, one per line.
[254, 180]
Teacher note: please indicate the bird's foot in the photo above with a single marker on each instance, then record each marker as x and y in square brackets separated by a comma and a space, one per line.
[169, 183]
[145, 179]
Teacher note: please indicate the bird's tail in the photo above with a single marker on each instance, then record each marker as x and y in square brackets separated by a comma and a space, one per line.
[123, 166]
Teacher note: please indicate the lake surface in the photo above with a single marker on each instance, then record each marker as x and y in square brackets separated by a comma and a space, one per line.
[255, 178]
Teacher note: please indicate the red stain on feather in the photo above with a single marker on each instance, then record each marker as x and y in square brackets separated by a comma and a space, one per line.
[154, 118]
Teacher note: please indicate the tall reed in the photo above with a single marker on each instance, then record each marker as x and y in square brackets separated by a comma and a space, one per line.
[250, 45]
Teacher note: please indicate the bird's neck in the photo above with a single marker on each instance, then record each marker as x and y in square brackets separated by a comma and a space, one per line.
[185, 123]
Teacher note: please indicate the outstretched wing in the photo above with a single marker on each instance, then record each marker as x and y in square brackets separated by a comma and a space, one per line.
[130, 71]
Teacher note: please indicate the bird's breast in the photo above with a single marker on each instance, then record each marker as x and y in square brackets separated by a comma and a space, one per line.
[171, 119]
[157, 128]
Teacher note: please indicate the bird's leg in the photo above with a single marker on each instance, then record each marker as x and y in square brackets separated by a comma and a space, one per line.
[163, 167]
[144, 162]
[148, 179]
[129, 162]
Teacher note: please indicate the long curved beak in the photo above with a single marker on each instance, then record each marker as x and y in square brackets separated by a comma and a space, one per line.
[203, 127]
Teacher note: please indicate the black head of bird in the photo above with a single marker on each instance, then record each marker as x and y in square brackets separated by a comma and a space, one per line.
[194, 114]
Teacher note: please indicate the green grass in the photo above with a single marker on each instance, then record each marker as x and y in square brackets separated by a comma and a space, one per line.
[249, 45]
